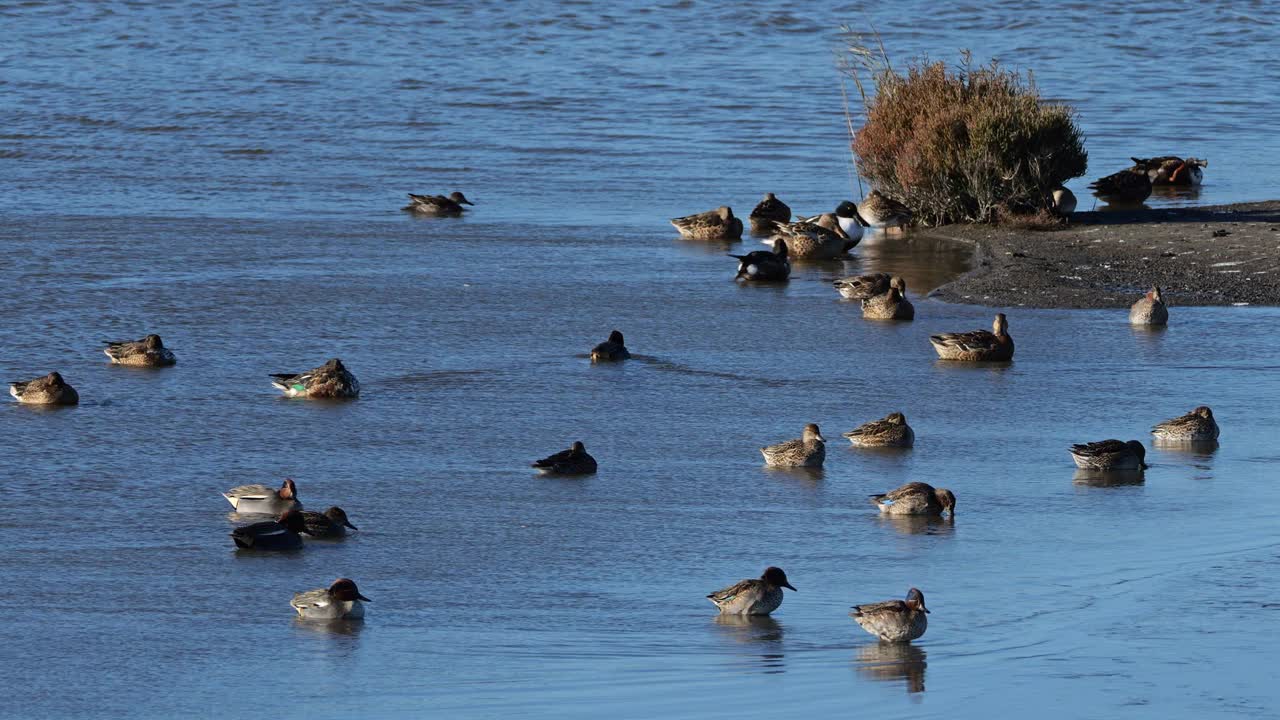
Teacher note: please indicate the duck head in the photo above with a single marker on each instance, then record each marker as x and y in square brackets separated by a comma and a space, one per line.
[616, 337]
[775, 577]
[899, 283]
[345, 590]
[288, 491]
[578, 448]
[334, 365]
[1204, 412]
[896, 418]
[1000, 326]
[293, 521]
[152, 342]
[459, 198]
[780, 248]
[55, 379]
[915, 600]
[725, 212]
[947, 499]
[1154, 295]
[769, 197]
[848, 210]
[1139, 450]
[812, 433]
[339, 516]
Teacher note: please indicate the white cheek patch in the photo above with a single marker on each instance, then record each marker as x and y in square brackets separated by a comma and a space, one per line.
[752, 269]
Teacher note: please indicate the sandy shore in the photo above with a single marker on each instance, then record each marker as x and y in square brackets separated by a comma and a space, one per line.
[1219, 255]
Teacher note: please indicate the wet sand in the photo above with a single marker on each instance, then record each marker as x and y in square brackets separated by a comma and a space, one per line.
[1108, 258]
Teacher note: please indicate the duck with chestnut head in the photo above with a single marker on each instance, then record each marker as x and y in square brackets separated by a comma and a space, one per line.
[1150, 309]
[894, 620]
[260, 499]
[340, 601]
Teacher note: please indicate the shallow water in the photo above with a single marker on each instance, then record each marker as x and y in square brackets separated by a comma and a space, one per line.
[183, 174]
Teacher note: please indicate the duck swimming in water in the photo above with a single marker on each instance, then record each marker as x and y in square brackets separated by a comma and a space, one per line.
[764, 266]
[754, 596]
[718, 224]
[340, 601]
[612, 350]
[330, 380]
[916, 498]
[894, 620]
[1149, 310]
[1171, 170]
[890, 431]
[48, 390]
[574, 461]
[147, 352]
[809, 450]
[978, 345]
[1110, 455]
[447, 206]
[769, 212]
[1196, 426]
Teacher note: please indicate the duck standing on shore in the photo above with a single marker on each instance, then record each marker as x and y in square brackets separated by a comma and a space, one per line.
[147, 352]
[330, 380]
[1132, 185]
[809, 450]
[612, 350]
[48, 390]
[754, 596]
[444, 206]
[764, 266]
[768, 212]
[976, 346]
[894, 620]
[1149, 310]
[883, 212]
[1171, 170]
[718, 224]
[1196, 426]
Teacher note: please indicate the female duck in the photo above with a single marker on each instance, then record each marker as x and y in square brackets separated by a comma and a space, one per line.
[1196, 426]
[612, 350]
[768, 213]
[1150, 310]
[916, 498]
[441, 205]
[330, 380]
[862, 287]
[340, 601]
[976, 346]
[817, 238]
[892, 305]
[283, 533]
[881, 211]
[331, 523]
[1110, 455]
[894, 620]
[718, 224]
[260, 499]
[807, 451]
[147, 352]
[764, 266]
[754, 596]
[574, 461]
[890, 431]
[1127, 186]
[48, 390]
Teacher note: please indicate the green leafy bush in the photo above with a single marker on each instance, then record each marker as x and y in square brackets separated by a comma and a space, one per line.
[963, 145]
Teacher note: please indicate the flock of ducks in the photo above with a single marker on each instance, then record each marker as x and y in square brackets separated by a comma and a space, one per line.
[825, 236]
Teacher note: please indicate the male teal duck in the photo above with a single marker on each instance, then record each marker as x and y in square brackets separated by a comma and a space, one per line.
[916, 498]
[331, 523]
[894, 620]
[1196, 426]
[769, 212]
[450, 206]
[754, 596]
[262, 500]
[1149, 310]
[147, 352]
[1110, 455]
[574, 461]
[612, 350]
[809, 450]
[48, 390]
[340, 601]
[764, 266]
[1171, 170]
[881, 211]
[330, 380]
[892, 305]
[283, 533]
[1127, 186]
[718, 224]
[890, 431]
[976, 346]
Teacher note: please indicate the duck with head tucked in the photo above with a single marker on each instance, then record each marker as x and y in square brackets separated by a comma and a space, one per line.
[764, 266]
[890, 431]
[881, 211]
[1194, 427]
[769, 212]
[260, 499]
[1110, 455]
[976, 346]
[1150, 309]
[894, 620]
[815, 238]
[1127, 186]
[441, 205]
[331, 523]
[330, 380]
[612, 350]
[753, 596]
[891, 305]
[147, 352]
[574, 461]
[809, 450]
[1171, 170]
[283, 533]
[48, 390]
[340, 601]
[916, 498]
[861, 287]
[718, 224]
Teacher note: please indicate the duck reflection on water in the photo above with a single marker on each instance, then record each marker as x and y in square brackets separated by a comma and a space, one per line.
[891, 662]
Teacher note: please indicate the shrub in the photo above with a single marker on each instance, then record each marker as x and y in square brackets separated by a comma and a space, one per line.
[964, 145]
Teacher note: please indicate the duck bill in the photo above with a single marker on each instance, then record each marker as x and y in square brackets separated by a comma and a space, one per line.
[790, 587]
[361, 597]
[353, 527]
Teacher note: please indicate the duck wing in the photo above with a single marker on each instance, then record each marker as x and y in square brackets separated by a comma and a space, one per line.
[317, 598]
[1101, 447]
[728, 594]
[863, 287]
[975, 340]
[888, 607]
[552, 461]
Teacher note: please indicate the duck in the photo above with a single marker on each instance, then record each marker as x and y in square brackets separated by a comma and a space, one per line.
[881, 211]
[815, 238]
[1171, 170]
[894, 620]
[768, 212]
[890, 431]
[850, 221]
[48, 390]
[1062, 202]
[1127, 186]
[976, 346]
[763, 265]
[892, 305]
[612, 350]
[1149, 310]
[331, 523]
[330, 380]
[753, 596]
[283, 533]
[1110, 455]
[1196, 426]
[718, 224]
[916, 498]
[262, 500]
[450, 206]
[809, 450]
[574, 461]
[340, 601]
[147, 352]
[862, 287]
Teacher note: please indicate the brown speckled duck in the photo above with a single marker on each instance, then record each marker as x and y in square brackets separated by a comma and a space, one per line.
[147, 352]
[1110, 455]
[891, 305]
[768, 213]
[881, 211]
[1149, 310]
[916, 498]
[809, 450]
[446, 206]
[818, 238]
[861, 287]
[894, 620]
[330, 380]
[1196, 426]
[718, 224]
[48, 390]
[890, 431]
[754, 596]
[976, 346]
[332, 523]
